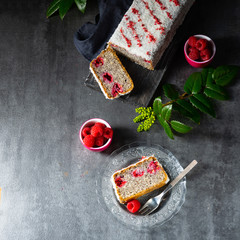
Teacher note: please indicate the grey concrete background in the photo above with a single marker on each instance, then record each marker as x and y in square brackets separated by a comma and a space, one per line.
[48, 178]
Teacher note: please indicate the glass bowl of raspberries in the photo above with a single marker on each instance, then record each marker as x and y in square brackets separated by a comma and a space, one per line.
[96, 134]
[199, 51]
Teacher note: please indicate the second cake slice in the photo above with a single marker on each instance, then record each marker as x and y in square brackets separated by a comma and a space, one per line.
[138, 179]
[112, 77]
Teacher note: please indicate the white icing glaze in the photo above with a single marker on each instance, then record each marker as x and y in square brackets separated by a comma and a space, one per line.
[140, 44]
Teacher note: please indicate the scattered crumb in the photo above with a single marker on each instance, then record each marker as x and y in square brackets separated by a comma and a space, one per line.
[66, 174]
[85, 173]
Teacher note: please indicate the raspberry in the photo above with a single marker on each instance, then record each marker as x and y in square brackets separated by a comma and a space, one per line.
[119, 181]
[201, 44]
[96, 131]
[99, 141]
[102, 125]
[138, 173]
[205, 54]
[192, 41]
[117, 88]
[153, 167]
[86, 131]
[108, 133]
[107, 77]
[89, 141]
[133, 206]
[98, 62]
[193, 54]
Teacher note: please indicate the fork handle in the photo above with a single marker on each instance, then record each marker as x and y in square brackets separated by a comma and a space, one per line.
[180, 176]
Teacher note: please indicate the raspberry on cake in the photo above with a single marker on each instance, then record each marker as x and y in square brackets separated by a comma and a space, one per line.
[138, 179]
[147, 28]
[110, 74]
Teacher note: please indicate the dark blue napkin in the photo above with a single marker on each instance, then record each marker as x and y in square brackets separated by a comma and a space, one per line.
[91, 38]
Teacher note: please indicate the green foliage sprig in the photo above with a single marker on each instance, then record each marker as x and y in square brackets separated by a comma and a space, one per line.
[198, 89]
[64, 5]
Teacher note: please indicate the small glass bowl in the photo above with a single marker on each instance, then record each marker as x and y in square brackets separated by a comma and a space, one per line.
[90, 123]
[200, 64]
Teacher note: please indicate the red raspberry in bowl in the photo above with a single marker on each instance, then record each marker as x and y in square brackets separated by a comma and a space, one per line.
[89, 141]
[86, 131]
[193, 54]
[108, 133]
[102, 125]
[99, 141]
[192, 41]
[201, 44]
[133, 205]
[96, 131]
[205, 54]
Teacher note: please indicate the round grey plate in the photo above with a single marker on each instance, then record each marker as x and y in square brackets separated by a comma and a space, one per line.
[127, 155]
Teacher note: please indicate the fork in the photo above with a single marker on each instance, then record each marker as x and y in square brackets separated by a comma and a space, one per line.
[153, 203]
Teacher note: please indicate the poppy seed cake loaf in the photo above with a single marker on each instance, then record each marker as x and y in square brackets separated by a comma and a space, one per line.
[147, 28]
[111, 75]
[138, 179]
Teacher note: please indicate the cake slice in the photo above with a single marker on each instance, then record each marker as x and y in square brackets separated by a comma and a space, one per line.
[110, 74]
[147, 28]
[138, 179]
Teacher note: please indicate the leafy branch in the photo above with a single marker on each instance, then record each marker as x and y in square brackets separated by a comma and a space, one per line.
[64, 5]
[198, 89]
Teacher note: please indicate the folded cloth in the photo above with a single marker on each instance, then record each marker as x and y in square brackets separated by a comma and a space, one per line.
[91, 38]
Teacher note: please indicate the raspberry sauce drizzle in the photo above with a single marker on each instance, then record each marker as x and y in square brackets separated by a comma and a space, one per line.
[163, 8]
[131, 25]
[161, 4]
[129, 43]
[157, 21]
[169, 15]
[176, 2]
[149, 35]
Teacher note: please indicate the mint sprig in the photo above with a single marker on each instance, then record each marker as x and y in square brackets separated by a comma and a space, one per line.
[64, 5]
[199, 89]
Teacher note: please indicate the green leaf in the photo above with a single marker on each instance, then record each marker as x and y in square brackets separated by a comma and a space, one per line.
[168, 130]
[53, 7]
[166, 112]
[223, 75]
[216, 92]
[64, 6]
[186, 109]
[206, 72]
[193, 83]
[160, 119]
[180, 127]
[170, 91]
[157, 105]
[212, 90]
[166, 126]
[81, 4]
[203, 104]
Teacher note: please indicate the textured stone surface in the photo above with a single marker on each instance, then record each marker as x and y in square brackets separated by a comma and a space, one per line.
[48, 178]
